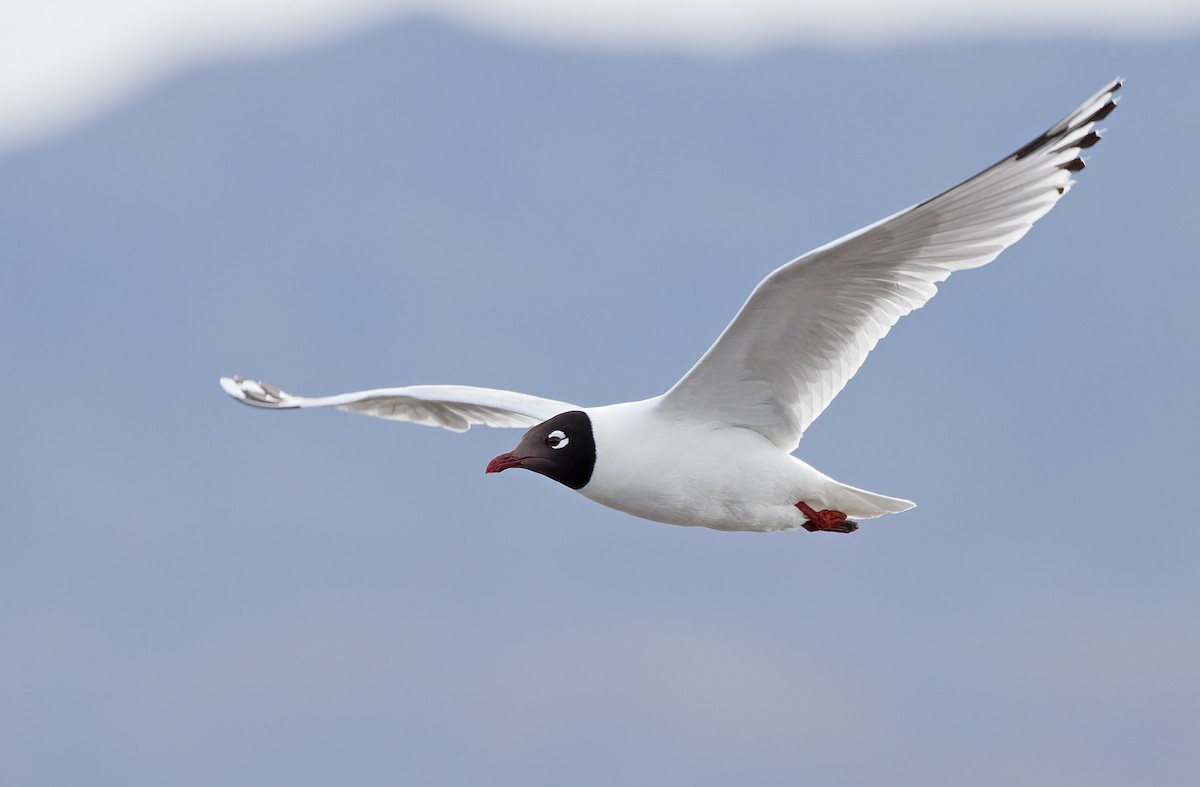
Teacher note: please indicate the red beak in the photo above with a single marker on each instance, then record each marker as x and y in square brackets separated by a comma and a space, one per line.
[503, 462]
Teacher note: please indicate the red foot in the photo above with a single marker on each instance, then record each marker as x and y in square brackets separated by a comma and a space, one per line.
[827, 521]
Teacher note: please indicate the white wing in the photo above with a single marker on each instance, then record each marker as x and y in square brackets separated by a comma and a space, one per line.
[808, 326]
[453, 407]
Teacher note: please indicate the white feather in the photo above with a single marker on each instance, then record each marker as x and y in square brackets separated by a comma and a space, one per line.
[453, 407]
[808, 327]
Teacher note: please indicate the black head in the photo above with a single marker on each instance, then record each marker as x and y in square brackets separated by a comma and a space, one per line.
[562, 448]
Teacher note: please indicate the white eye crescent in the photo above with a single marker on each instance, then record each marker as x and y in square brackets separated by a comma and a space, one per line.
[557, 439]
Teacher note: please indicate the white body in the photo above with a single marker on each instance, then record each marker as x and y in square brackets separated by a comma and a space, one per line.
[723, 477]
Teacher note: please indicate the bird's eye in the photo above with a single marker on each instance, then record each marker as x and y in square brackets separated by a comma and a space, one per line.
[557, 439]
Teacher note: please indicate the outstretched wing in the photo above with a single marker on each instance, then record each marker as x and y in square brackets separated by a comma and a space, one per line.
[808, 326]
[453, 407]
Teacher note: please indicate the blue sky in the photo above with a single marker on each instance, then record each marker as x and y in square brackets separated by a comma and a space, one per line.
[199, 593]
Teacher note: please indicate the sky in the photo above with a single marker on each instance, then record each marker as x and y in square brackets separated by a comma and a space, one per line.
[65, 60]
[194, 592]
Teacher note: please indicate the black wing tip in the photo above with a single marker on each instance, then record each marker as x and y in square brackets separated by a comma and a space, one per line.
[1092, 138]
[1072, 122]
[1102, 112]
[253, 392]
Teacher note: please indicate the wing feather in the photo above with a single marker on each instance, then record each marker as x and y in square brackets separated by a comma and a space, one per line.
[453, 407]
[808, 326]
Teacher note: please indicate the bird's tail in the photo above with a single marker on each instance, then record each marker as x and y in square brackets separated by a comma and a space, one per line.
[860, 504]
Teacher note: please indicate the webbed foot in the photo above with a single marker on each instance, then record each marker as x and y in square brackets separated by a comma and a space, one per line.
[827, 521]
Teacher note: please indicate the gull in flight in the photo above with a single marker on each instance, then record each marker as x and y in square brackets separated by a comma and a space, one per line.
[716, 449]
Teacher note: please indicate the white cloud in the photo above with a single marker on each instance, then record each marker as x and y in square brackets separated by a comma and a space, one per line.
[64, 59]
[61, 60]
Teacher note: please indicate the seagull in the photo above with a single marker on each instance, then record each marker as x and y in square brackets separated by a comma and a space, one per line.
[716, 449]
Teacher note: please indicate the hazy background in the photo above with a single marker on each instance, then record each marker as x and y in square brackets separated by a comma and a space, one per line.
[196, 593]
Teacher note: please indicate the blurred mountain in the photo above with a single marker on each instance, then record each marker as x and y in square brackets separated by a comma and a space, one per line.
[197, 593]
